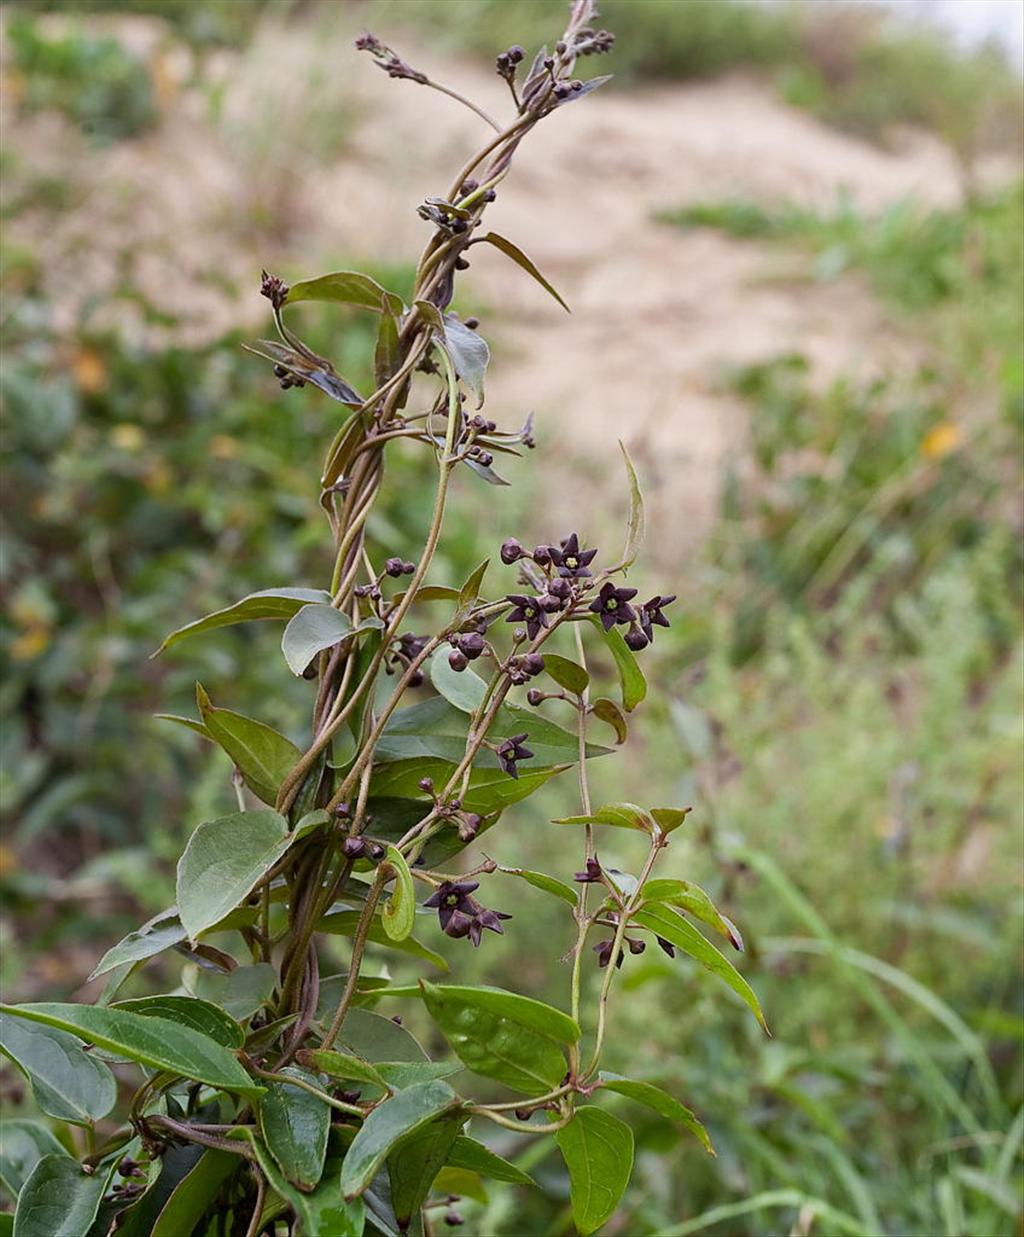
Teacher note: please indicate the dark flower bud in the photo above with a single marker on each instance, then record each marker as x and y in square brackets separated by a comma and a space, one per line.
[490, 195]
[274, 289]
[635, 639]
[354, 848]
[541, 554]
[469, 826]
[549, 603]
[280, 371]
[560, 588]
[516, 53]
[394, 567]
[534, 696]
[591, 875]
[453, 1218]
[461, 264]
[472, 644]
[667, 946]
[560, 47]
[635, 946]
[486, 459]
[533, 664]
[427, 784]
[472, 323]
[511, 551]
[604, 954]
[458, 660]
[377, 852]
[469, 185]
[343, 809]
[408, 568]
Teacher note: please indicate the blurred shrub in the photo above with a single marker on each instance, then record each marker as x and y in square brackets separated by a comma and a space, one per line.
[96, 82]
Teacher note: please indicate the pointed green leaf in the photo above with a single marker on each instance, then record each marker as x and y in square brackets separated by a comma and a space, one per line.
[223, 861]
[677, 931]
[669, 818]
[516, 254]
[631, 677]
[490, 790]
[241, 992]
[664, 1104]
[343, 1065]
[189, 1011]
[345, 288]
[163, 931]
[608, 711]
[59, 1199]
[622, 815]
[344, 923]
[636, 524]
[193, 1194]
[502, 1035]
[468, 1153]
[313, 628]
[470, 591]
[465, 689]
[402, 1074]
[22, 1145]
[541, 880]
[154, 1042]
[416, 1161]
[598, 1152]
[188, 722]
[399, 911]
[295, 1126]
[691, 898]
[567, 673]
[264, 756]
[67, 1082]
[270, 603]
[387, 353]
[469, 354]
[376, 1038]
[395, 1119]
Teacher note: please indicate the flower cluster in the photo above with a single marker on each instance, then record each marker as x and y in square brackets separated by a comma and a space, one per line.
[460, 914]
[391, 63]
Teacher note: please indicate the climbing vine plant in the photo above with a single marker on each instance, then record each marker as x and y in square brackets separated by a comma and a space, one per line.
[278, 1100]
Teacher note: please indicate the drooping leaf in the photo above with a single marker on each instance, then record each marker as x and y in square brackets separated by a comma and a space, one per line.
[631, 677]
[264, 756]
[188, 722]
[520, 258]
[468, 1153]
[223, 861]
[203, 1016]
[387, 354]
[22, 1145]
[59, 1199]
[541, 880]
[621, 815]
[386, 1125]
[674, 928]
[487, 472]
[270, 603]
[67, 1082]
[295, 1126]
[154, 1042]
[416, 1161]
[502, 1035]
[691, 898]
[664, 1104]
[194, 1193]
[608, 711]
[469, 354]
[594, 83]
[636, 524]
[399, 911]
[163, 931]
[598, 1152]
[567, 673]
[310, 368]
[240, 992]
[314, 628]
[470, 591]
[465, 689]
[344, 923]
[345, 288]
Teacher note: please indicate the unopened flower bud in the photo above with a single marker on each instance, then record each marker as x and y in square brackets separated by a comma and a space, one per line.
[511, 551]
[635, 639]
[354, 848]
[472, 644]
[533, 664]
[426, 784]
[458, 660]
[534, 696]
[394, 567]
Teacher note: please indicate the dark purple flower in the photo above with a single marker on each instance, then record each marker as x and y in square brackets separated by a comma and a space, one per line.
[571, 561]
[612, 605]
[511, 750]
[667, 946]
[604, 954]
[526, 610]
[651, 615]
[592, 873]
[460, 914]
[274, 289]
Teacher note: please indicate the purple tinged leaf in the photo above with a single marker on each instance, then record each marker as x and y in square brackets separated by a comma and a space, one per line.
[516, 254]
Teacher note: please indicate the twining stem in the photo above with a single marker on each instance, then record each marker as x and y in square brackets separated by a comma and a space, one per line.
[358, 945]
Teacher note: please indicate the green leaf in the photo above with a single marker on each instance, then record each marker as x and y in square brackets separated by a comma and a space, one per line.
[691, 898]
[343, 1065]
[631, 677]
[516, 254]
[150, 1041]
[270, 603]
[635, 525]
[622, 815]
[669, 818]
[469, 354]
[463, 1182]
[502, 1035]
[202, 1016]
[677, 931]
[598, 1152]
[314, 628]
[240, 992]
[387, 1124]
[67, 1082]
[223, 861]
[295, 1126]
[416, 1161]
[22, 1145]
[188, 722]
[468, 1153]
[345, 288]
[465, 689]
[608, 711]
[399, 911]
[194, 1193]
[664, 1105]
[376, 1038]
[343, 923]
[163, 931]
[264, 756]
[387, 353]
[566, 673]
[490, 790]
[59, 1199]
[470, 591]
[402, 1074]
[541, 880]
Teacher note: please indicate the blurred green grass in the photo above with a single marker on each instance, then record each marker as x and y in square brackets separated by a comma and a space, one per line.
[839, 697]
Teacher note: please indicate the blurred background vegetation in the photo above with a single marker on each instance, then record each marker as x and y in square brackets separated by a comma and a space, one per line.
[840, 694]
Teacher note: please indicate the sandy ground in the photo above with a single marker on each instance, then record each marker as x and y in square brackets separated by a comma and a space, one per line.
[261, 171]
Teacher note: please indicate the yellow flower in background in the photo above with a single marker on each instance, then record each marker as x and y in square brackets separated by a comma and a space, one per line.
[224, 447]
[33, 641]
[89, 371]
[127, 437]
[941, 441]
